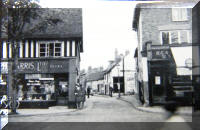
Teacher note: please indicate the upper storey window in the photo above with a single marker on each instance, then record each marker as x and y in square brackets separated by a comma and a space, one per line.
[51, 49]
[175, 37]
[179, 14]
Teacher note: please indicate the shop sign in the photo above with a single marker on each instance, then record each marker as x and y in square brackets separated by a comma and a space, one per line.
[32, 76]
[48, 66]
[161, 54]
[4, 67]
[63, 83]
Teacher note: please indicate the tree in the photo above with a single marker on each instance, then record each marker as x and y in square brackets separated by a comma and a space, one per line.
[17, 15]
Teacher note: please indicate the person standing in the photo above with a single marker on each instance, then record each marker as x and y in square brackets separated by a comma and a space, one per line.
[111, 90]
[77, 96]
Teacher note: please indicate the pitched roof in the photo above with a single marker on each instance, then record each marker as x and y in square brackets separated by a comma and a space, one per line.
[70, 26]
[111, 66]
[95, 76]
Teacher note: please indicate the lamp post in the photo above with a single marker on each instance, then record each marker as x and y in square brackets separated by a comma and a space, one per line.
[118, 84]
[123, 65]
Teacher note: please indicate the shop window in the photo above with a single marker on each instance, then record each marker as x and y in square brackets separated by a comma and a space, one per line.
[175, 37]
[50, 49]
[179, 14]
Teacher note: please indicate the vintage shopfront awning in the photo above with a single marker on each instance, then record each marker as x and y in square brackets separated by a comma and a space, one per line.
[183, 59]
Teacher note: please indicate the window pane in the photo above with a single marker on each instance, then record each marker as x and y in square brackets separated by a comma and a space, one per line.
[42, 54]
[51, 49]
[57, 54]
[183, 36]
[42, 45]
[57, 44]
[165, 37]
[174, 37]
[57, 49]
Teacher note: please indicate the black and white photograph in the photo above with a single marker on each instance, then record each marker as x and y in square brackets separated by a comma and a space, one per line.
[99, 64]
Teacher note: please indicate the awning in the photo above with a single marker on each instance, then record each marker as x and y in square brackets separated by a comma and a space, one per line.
[183, 59]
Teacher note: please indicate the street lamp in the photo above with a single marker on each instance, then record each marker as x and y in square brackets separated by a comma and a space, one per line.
[123, 70]
[118, 84]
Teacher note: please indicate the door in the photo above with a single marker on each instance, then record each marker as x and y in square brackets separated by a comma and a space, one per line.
[158, 84]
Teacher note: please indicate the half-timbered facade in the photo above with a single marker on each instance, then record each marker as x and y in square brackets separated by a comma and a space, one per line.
[49, 61]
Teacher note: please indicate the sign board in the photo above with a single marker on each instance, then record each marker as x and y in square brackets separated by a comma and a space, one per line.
[157, 80]
[44, 66]
[161, 54]
[4, 67]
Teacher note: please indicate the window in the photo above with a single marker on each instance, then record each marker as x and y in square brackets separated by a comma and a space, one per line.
[175, 37]
[179, 14]
[50, 49]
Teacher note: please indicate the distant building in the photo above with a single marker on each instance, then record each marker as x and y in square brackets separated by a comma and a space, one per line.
[94, 81]
[120, 71]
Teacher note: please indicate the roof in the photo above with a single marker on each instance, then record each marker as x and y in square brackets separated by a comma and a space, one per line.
[95, 76]
[185, 3]
[110, 67]
[69, 27]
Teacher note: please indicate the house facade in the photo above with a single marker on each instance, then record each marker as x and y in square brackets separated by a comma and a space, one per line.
[95, 82]
[49, 61]
[164, 52]
[120, 72]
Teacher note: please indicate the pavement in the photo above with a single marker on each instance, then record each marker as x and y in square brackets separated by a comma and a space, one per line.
[51, 110]
[132, 99]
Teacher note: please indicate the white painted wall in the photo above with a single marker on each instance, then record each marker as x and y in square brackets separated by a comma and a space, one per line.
[129, 67]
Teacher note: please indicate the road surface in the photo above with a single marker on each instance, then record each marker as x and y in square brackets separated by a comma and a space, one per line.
[98, 109]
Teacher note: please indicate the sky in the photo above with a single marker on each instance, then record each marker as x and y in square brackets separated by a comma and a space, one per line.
[106, 25]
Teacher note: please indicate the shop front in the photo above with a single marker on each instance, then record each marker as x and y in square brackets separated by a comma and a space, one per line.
[41, 80]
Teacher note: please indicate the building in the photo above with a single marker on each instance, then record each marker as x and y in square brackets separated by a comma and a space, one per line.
[196, 53]
[48, 59]
[120, 72]
[164, 52]
[94, 81]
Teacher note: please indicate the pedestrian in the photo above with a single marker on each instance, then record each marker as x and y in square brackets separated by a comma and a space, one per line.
[88, 92]
[82, 96]
[111, 90]
[77, 96]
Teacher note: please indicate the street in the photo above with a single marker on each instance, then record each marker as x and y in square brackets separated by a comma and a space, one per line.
[97, 109]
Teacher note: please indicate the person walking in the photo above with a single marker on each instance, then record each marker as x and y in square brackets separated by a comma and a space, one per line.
[88, 92]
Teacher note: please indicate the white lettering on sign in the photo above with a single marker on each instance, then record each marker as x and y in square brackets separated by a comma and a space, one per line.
[56, 66]
[26, 66]
[4, 67]
[40, 64]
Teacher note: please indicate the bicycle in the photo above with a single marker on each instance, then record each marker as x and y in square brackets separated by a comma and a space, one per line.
[7, 103]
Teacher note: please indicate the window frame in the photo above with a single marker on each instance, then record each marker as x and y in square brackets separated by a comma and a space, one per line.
[180, 14]
[179, 36]
[47, 52]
